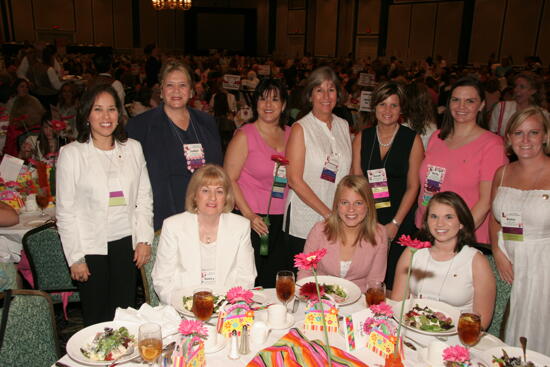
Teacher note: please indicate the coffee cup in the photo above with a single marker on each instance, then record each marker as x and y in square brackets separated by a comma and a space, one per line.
[212, 339]
[259, 332]
[276, 315]
[30, 203]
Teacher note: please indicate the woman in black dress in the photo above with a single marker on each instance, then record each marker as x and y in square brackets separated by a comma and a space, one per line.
[389, 155]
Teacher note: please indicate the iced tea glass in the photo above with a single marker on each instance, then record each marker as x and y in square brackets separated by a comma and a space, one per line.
[469, 328]
[285, 286]
[203, 303]
[376, 292]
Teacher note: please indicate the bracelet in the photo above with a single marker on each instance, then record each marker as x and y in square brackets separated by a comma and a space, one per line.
[395, 222]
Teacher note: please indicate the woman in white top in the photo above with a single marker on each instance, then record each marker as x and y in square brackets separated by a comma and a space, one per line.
[528, 91]
[205, 245]
[319, 155]
[520, 227]
[450, 271]
[104, 207]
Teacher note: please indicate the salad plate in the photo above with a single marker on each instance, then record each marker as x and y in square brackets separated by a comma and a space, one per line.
[84, 339]
[515, 355]
[428, 317]
[182, 299]
[346, 292]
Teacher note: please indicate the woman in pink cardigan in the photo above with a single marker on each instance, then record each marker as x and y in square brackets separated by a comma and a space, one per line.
[356, 244]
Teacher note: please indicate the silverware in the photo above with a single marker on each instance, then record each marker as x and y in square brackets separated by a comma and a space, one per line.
[168, 350]
[295, 306]
[523, 342]
[421, 345]
[410, 345]
[61, 364]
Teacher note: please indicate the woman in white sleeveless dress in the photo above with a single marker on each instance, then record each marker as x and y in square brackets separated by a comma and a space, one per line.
[520, 228]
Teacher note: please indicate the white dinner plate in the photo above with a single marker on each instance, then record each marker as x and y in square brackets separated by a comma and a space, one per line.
[353, 293]
[537, 358]
[177, 299]
[86, 335]
[488, 341]
[448, 310]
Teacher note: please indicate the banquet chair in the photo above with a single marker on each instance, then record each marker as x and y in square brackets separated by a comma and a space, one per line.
[49, 268]
[29, 336]
[150, 295]
[501, 303]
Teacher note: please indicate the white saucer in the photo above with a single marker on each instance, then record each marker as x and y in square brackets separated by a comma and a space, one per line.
[288, 325]
[221, 341]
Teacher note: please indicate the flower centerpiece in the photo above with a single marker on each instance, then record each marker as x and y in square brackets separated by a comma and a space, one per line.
[237, 311]
[394, 359]
[190, 351]
[310, 261]
[278, 192]
[456, 356]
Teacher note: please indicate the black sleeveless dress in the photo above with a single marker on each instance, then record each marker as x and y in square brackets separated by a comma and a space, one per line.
[396, 163]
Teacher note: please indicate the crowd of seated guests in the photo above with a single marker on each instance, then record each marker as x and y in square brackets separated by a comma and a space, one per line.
[197, 161]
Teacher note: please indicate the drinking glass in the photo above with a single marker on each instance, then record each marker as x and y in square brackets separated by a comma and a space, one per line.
[42, 199]
[469, 328]
[203, 303]
[150, 342]
[285, 285]
[376, 292]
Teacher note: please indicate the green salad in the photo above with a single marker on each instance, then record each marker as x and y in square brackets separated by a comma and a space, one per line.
[336, 291]
[109, 345]
[424, 318]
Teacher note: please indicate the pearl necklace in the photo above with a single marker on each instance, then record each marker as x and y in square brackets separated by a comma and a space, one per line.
[391, 140]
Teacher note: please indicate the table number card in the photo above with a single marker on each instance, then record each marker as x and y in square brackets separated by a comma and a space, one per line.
[353, 329]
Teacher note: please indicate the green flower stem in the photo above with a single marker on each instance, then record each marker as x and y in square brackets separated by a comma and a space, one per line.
[327, 346]
[396, 349]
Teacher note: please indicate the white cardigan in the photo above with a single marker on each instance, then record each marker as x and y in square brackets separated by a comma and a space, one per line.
[178, 262]
[82, 197]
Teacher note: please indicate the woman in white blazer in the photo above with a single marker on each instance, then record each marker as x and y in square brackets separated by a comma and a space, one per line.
[206, 245]
[104, 207]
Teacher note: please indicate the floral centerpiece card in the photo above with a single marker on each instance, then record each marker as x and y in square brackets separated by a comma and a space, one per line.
[236, 312]
[189, 352]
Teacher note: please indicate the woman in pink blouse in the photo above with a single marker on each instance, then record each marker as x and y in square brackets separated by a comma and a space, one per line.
[462, 156]
[356, 244]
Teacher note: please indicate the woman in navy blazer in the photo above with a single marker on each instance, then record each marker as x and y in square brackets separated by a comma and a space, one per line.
[356, 244]
[167, 133]
[104, 207]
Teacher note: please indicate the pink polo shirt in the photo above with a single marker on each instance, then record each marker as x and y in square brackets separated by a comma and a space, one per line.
[465, 168]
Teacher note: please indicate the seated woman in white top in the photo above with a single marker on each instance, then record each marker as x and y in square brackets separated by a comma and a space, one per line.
[206, 245]
[450, 271]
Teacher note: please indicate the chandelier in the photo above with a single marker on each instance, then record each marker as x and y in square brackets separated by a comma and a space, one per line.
[171, 4]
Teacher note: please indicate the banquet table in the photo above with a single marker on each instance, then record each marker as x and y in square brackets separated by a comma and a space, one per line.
[220, 358]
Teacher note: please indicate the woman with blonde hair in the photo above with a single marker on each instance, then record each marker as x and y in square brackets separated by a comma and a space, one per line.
[176, 141]
[519, 229]
[356, 244]
[207, 245]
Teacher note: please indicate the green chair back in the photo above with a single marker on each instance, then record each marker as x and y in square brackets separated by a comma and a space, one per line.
[503, 296]
[150, 295]
[30, 337]
[49, 267]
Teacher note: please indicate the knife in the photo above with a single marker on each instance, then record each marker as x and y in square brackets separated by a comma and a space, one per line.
[295, 306]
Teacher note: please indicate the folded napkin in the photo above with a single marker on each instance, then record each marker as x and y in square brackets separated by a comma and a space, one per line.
[166, 316]
[294, 350]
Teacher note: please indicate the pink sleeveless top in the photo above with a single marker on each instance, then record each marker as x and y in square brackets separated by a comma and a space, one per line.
[257, 173]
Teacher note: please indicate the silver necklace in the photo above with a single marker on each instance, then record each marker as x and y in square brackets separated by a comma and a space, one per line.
[385, 145]
[444, 279]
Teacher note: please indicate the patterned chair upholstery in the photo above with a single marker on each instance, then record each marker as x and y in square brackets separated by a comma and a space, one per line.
[48, 265]
[503, 296]
[150, 295]
[30, 337]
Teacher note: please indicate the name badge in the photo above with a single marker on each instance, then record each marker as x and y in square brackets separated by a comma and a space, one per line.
[279, 182]
[512, 226]
[208, 276]
[378, 181]
[194, 155]
[116, 198]
[330, 168]
[434, 180]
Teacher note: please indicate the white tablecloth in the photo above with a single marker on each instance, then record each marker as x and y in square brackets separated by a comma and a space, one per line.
[11, 238]
[412, 358]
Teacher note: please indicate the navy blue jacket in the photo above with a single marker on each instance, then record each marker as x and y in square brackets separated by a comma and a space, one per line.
[166, 162]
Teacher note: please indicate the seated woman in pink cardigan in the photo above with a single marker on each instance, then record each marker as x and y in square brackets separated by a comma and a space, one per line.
[356, 244]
